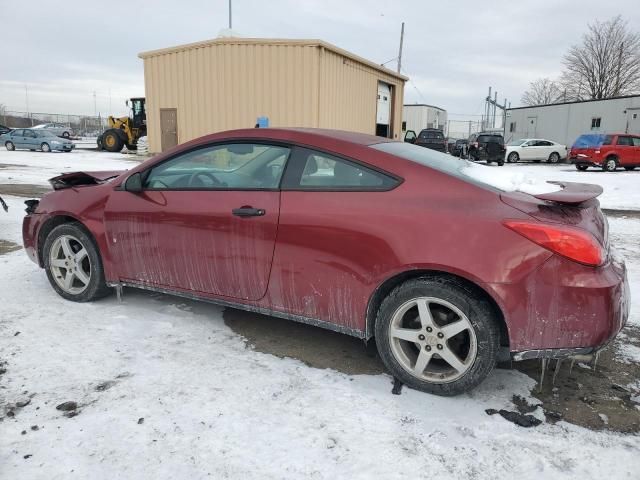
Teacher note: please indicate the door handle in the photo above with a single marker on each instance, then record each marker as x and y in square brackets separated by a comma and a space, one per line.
[248, 212]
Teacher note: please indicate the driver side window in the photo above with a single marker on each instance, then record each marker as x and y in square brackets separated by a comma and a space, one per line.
[235, 166]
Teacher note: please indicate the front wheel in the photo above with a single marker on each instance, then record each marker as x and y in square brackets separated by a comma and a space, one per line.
[435, 335]
[10, 146]
[45, 147]
[610, 165]
[111, 141]
[513, 157]
[73, 264]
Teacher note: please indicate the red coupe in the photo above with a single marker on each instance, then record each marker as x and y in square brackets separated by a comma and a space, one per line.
[355, 233]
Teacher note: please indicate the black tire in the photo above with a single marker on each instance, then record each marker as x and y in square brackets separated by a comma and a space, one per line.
[111, 141]
[610, 164]
[10, 146]
[513, 157]
[537, 161]
[553, 158]
[97, 286]
[44, 146]
[629, 169]
[582, 168]
[65, 135]
[478, 311]
[99, 143]
[500, 163]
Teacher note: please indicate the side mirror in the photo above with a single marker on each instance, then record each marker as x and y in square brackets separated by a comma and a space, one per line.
[133, 184]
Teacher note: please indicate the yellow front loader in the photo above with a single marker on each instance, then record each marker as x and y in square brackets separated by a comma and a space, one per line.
[125, 131]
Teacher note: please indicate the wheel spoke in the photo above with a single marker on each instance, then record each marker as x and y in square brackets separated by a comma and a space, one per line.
[58, 262]
[81, 254]
[426, 320]
[68, 279]
[454, 328]
[452, 359]
[82, 276]
[408, 334]
[422, 361]
[66, 247]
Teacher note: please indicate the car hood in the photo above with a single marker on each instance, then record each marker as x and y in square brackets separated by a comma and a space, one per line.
[74, 179]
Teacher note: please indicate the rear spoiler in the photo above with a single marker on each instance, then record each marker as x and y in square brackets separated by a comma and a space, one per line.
[572, 193]
[74, 179]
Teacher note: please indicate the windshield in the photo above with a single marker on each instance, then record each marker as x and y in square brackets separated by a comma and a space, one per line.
[484, 176]
[516, 143]
[591, 140]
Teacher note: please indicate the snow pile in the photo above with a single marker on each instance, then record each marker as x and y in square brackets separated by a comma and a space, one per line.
[509, 180]
[143, 146]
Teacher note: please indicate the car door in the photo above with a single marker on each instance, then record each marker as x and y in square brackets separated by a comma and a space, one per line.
[625, 150]
[528, 150]
[636, 148]
[30, 139]
[204, 222]
[17, 137]
[329, 245]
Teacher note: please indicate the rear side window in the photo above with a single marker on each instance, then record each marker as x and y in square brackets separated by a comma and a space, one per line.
[625, 141]
[323, 171]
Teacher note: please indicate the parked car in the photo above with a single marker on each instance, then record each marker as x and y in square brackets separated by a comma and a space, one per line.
[536, 149]
[445, 269]
[460, 148]
[32, 139]
[4, 129]
[432, 138]
[487, 146]
[58, 129]
[451, 143]
[606, 151]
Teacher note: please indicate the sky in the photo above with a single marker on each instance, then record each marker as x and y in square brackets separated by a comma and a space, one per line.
[80, 57]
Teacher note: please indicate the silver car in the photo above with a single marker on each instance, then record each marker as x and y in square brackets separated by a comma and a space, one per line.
[59, 129]
[32, 139]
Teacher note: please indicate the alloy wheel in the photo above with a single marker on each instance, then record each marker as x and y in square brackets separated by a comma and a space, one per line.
[432, 340]
[610, 165]
[45, 147]
[69, 264]
[10, 146]
[554, 157]
[513, 157]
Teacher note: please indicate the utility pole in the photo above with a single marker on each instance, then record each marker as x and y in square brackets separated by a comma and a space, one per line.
[487, 110]
[26, 97]
[495, 102]
[110, 111]
[95, 106]
[400, 52]
[230, 23]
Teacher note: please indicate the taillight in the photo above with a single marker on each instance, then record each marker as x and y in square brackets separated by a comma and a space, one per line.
[570, 242]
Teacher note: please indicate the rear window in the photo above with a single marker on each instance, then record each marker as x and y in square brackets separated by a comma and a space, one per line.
[490, 139]
[592, 140]
[431, 134]
[481, 175]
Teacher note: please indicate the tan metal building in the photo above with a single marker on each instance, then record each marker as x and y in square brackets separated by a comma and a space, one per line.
[226, 83]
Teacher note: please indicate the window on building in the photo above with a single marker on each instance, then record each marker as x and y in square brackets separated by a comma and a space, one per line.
[404, 126]
[512, 127]
[595, 122]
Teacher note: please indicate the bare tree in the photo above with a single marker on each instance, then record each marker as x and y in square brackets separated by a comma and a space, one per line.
[606, 64]
[542, 92]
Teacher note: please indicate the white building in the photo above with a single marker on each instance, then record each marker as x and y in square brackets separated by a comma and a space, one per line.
[564, 122]
[419, 116]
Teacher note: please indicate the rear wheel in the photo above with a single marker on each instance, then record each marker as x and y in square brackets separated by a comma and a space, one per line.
[553, 158]
[111, 141]
[513, 157]
[10, 146]
[73, 264]
[45, 147]
[610, 164]
[436, 335]
[582, 168]
[628, 169]
[66, 134]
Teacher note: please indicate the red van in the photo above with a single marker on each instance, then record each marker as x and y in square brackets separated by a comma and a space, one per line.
[607, 151]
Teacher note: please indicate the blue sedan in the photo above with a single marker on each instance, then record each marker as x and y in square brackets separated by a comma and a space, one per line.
[30, 139]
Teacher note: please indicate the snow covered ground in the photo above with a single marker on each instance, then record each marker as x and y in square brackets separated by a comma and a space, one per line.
[166, 390]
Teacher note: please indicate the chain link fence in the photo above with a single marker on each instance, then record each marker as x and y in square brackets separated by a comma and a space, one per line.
[80, 125]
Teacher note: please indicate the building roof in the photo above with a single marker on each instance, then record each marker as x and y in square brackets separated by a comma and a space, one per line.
[423, 105]
[575, 101]
[273, 41]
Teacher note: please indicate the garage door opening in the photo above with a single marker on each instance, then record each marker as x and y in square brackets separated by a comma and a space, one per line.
[383, 113]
